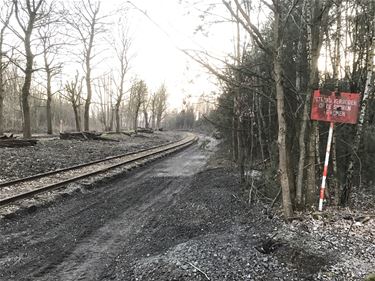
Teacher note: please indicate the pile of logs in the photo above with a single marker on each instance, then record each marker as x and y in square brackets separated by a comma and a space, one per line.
[83, 136]
[145, 130]
[11, 141]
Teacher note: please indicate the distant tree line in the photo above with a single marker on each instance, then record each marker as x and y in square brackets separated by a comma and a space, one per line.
[49, 75]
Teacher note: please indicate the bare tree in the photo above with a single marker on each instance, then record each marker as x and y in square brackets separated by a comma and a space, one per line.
[6, 13]
[369, 88]
[138, 93]
[12, 102]
[50, 47]
[105, 93]
[153, 110]
[145, 109]
[160, 105]
[30, 15]
[317, 17]
[122, 46]
[73, 93]
[275, 51]
[86, 20]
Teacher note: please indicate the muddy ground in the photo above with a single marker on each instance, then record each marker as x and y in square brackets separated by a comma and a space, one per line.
[180, 218]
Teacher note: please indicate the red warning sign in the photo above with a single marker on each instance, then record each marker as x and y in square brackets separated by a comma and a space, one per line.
[332, 107]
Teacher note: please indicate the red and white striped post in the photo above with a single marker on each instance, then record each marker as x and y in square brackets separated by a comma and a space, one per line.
[325, 170]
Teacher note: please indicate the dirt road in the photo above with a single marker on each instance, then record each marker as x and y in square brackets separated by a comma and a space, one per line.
[82, 237]
[176, 219]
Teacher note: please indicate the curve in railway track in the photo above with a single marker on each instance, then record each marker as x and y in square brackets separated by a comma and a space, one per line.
[18, 189]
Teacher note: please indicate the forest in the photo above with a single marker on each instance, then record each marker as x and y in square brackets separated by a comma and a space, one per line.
[267, 87]
[49, 50]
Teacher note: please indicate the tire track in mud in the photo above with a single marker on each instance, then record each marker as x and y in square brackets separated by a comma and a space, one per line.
[78, 238]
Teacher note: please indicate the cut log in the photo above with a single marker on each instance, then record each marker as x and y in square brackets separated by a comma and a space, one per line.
[84, 136]
[145, 130]
[126, 133]
[80, 136]
[129, 134]
[6, 136]
[10, 141]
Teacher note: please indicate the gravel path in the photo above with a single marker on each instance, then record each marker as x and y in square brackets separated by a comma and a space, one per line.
[178, 219]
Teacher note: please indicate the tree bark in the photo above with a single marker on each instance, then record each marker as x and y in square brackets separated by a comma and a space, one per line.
[319, 17]
[117, 114]
[135, 121]
[86, 114]
[282, 130]
[302, 156]
[88, 57]
[2, 92]
[302, 134]
[241, 150]
[49, 115]
[258, 110]
[357, 140]
[77, 117]
[153, 120]
[145, 116]
[26, 86]
[1, 109]
[281, 139]
[336, 70]
[158, 121]
[49, 103]
[234, 133]
[111, 118]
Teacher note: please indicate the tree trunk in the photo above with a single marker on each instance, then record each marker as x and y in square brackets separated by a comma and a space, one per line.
[158, 121]
[336, 70]
[357, 140]
[86, 114]
[135, 122]
[259, 123]
[25, 101]
[26, 86]
[145, 115]
[315, 38]
[264, 125]
[49, 116]
[48, 105]
[26, 107]
[234, 134]
[311, 187]
[281, 139]
[336, 186]
[117, 113]
[77, 118]
[284, 168]
[2, 92]
[153, 120]
[302, 156]
[111, 118]
[241, 151]
[1, 109]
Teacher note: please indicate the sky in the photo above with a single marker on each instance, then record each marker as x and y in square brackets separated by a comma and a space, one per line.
[157, 38]
[159, 30]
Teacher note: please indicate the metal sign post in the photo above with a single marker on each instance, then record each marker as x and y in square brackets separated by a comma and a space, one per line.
[325, 170]
[333, 107]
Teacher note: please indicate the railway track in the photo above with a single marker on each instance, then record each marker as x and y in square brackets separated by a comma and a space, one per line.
[16, 190]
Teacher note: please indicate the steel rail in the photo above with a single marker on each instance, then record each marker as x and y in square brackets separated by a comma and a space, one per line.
[169, 148]
[40, 175]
